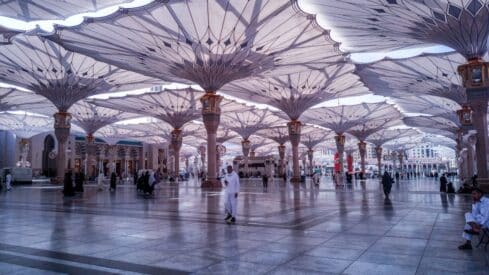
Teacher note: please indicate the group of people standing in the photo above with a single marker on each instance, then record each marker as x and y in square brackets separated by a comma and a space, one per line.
[146, 181]
[68, 189]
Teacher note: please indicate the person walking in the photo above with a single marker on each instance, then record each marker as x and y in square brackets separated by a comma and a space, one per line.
[387, 183]
[443, 183]
[265, 180]
[68, 190]
[113, 180]
[231, 195]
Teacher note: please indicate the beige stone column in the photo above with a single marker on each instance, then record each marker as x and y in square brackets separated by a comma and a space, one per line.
[378, 154]
[479, 119]
[62, 125]
[475, 76]
[281, 166]
[362, 149]
[294, 128]
[340, 147]
[246, 145]
[211, 113]
[310, 156]
[400, 156]
[176, 143]
[91, 152]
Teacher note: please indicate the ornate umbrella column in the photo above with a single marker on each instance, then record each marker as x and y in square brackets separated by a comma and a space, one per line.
[246, 145]
[340, 147]
[475, 76]
[91, 152]
[294, 128]
[310, 156]
[400, 156]
[62, 127]
[362, 148]
[211, 116]
[281, 154]
[378, 154]
[112, 158]
[176, 143]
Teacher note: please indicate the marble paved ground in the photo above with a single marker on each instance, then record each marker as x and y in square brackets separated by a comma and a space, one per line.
[283, 230]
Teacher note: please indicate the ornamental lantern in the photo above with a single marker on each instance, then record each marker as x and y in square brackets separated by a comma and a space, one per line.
[465, 115]
[475, 73]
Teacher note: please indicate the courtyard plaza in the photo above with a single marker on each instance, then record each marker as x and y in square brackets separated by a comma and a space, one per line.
[349, 229]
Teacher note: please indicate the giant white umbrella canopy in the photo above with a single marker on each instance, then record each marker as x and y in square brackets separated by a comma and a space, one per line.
[16, 100]
[363, 130]
[433, 122]
[31, 10]
[429, 105]
[210, 43]
[427, 74]
[383, 25]
[24, 127]
[247, 123]
[383, 136]
[91, 118]
[6, 34]
[311, 137]
[280, 135]
[294, 93]
[63, 77]
[340, 119]
[175, 107]
[168, 132]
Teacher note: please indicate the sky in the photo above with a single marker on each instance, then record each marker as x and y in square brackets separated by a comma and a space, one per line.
[355, 57]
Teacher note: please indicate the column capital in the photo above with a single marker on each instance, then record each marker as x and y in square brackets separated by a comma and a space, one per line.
[340, 139]
[294, 127]
[176, 139]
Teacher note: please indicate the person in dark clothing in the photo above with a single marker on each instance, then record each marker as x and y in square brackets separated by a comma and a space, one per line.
[265, 180]
[450, 188]
[135, 178]
[443, 183]
[387, 184]
[397, 176]
[68, 190]
[113, 181]
[79, 178]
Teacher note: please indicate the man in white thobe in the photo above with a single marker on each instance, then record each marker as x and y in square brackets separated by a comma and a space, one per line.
[475, 220]
[231, 195]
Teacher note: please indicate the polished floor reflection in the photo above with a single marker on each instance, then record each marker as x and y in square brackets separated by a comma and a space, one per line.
[349, 229]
